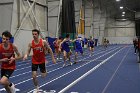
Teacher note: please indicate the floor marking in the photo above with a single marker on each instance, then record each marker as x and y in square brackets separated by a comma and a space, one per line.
[87, 73]
[3, 89]
[74, 70]
[115, 72]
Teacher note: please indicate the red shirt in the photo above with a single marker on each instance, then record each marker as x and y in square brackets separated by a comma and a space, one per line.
[7, 53]
[38, 52]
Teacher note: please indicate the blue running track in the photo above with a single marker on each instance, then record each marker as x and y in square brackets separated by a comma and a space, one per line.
[114, 70]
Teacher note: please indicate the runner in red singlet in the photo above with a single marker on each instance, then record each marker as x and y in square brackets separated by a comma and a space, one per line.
[38, 46]
[7, 60]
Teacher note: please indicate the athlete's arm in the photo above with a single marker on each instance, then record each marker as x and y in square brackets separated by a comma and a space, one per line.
[73, 40]
[28, 52]
[4, 60]
[18, 56]
[61, 44]
[46, 45]
[52, 55]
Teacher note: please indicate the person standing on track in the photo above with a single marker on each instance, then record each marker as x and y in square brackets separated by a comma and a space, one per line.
[39, 47]
[7, 60]
[91, 44]
[135, 43]
[105, 43]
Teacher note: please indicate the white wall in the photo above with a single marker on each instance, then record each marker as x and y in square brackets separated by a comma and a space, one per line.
[88, 9]
[77, 5]
[6, 9]
[99, 21]
[88, 19]
[120, 32]
[24, 35]
[137, 15]
[6, 1]
[53, 11]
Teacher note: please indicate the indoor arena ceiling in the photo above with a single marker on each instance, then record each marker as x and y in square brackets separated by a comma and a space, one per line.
[113, 8]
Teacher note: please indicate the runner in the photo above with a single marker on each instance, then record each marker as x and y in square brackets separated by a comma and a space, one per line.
[38, 46]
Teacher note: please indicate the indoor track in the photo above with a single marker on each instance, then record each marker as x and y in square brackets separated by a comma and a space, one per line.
[114, 70]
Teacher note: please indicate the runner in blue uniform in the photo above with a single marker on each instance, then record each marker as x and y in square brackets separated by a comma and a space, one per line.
[66, 49]
[78, 47]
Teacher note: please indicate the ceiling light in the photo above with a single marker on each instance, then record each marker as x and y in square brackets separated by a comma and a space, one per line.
[121, 7]
[118, 0]
[123, 12]
[123, 15]
[124, 19]
[121, 19]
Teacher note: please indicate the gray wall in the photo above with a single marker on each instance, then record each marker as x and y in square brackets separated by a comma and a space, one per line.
[11, 18]
[6, 9]
[88, 15]
[88, 18]
[77, 4]
[120, 32]
[53, 11]
[99, 24]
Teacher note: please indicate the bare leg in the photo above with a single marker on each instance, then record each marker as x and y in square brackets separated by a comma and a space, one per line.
[5, 82]
[76, 54]
[90, 49]
[65, 57]
[34, 76]
[69, 53]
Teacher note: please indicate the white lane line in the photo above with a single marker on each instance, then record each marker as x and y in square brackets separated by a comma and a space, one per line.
[86, 74]
[52, 65]
[38, 76]
[115, 72]
[30, 71]
[49, 59]
[73, 70]
[26, 63]
[20, 74]
[52, 70]
[30, 66]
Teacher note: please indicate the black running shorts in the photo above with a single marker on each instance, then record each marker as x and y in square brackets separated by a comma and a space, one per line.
[6, 72]
[41, 67]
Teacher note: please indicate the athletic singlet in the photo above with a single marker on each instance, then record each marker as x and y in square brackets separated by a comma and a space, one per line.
[57, 43]
[78, 44]
[65, 44]
[7, 53]
[91, 43]
[38, 52]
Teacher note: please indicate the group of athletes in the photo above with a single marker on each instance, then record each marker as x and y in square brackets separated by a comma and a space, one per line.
[63, 45]
[9, 54]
